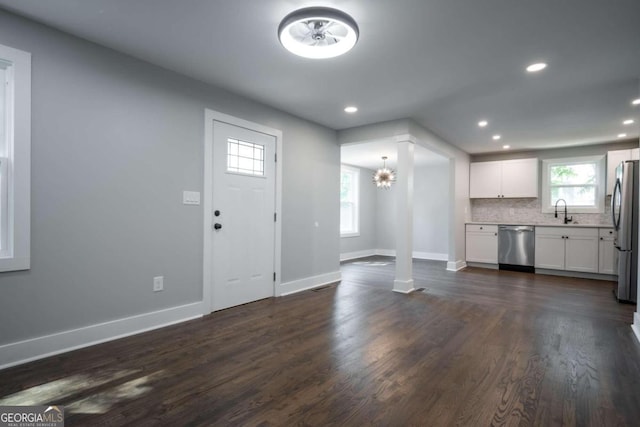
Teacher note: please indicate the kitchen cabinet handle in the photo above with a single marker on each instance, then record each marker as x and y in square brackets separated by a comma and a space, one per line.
[495, 234]
[602, 238]
[481, 228]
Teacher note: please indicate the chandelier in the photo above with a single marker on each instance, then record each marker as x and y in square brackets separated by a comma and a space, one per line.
[384, 177]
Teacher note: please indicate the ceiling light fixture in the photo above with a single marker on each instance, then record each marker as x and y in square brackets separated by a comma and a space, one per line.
[318, 32]
[496, 137]
[635, 102]
[483, 123]
[534, 68]
[384, 177]
[506, 147]
[622, 135]
[350, 109]
[628, 122]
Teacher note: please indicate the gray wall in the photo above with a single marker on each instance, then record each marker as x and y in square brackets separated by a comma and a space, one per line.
[115, 141]
[430, 211]
[459, 207]
[367, 238]
[558, 153]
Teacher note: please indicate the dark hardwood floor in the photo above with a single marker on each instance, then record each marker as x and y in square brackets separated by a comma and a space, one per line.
[475, 348]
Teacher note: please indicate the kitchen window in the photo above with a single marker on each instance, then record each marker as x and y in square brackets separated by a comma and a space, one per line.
[579, 181]
[15, 161]
[349, 201]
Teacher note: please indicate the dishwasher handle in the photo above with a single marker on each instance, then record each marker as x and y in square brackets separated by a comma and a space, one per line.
[518, 229]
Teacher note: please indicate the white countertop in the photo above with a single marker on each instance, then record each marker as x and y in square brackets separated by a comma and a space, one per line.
[560, 224]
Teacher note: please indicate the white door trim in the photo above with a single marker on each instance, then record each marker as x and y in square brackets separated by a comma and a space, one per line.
[207, 271]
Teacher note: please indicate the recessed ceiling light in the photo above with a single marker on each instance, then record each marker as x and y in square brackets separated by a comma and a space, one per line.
[539, 66]
[496, 137]
[483, 123]
[350, 109]
[506, 147]
[635, 102]
[622, 135]
[628, 122]
[318, 32]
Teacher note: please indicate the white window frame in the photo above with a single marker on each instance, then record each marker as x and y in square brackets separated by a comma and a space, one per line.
[356, 196]
[15, 150]
[548, 205]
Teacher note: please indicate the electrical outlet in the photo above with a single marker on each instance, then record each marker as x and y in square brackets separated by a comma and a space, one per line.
[158, 284]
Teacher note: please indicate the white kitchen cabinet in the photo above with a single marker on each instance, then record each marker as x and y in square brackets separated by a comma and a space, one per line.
[503, 179]
[607, 253]
[549, 251]
[613, 160]
[567, 248]
[485, 180]
[482, 243]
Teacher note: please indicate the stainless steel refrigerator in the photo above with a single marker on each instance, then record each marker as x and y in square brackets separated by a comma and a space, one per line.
[624, 208]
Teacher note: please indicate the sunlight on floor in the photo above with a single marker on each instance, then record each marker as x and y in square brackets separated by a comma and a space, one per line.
[97, 403]
[54, 391]
[100, 403]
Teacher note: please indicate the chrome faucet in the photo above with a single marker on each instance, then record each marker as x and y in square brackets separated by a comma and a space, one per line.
[566, 218]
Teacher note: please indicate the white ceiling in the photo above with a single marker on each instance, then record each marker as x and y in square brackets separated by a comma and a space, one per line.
[369, 155]
[444, 63]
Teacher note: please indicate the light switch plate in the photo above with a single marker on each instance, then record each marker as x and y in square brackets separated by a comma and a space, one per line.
[191, 197]
[158, 283]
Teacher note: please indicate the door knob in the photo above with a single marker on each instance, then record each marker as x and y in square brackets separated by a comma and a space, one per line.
[217, 226]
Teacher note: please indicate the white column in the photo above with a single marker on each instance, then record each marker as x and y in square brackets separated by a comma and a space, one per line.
[404, 229]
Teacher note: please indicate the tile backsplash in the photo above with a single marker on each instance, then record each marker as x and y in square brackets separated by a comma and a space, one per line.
[527, 211]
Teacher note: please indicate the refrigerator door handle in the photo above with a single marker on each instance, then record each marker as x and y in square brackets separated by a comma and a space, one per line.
[616, 190]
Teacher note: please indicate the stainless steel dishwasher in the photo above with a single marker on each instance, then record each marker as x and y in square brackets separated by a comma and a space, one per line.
[516, 247]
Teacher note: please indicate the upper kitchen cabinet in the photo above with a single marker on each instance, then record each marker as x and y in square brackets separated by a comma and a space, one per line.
[504, 179]
[613, 160]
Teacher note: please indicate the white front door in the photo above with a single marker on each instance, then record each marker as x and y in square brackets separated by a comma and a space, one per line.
[243, 209]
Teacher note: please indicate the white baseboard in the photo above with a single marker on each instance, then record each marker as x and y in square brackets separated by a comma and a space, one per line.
[392, 252]
[307, 283]
[357, 254]
[49, 345]
[385, 252]
[456, 265]
[403, 286]
[482, 265]
[636, 325]
[594, 276]
[636, 331]
[431, 255]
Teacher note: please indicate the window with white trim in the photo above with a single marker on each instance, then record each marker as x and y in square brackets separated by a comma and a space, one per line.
[245, 157]
[15, 158]
[349, 201]
[579, 181]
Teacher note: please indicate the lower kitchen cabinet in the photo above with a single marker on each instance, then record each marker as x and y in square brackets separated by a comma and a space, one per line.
[567, 248]
[549, 251]
[482, 243]
[608, 255]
